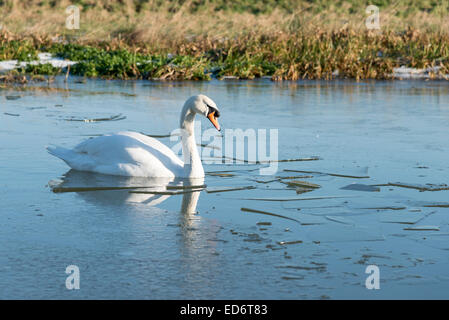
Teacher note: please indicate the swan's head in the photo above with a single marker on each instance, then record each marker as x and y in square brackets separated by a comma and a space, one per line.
[204, 105]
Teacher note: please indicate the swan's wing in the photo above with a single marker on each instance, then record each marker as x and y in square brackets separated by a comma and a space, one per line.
[154, 144]
[124, 153]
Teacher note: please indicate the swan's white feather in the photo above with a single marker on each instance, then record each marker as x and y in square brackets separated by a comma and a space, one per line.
[123, 154]
[136, 155]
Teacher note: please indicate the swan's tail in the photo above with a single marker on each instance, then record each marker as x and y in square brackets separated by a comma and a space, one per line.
[58, 151]
[61, 153]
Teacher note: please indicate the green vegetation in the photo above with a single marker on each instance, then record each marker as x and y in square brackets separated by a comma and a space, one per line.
[17, 50]
[40, 69]
[125, 64]
[353, 55]
[246, 39]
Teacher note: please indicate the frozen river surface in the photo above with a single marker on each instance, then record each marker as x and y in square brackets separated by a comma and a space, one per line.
[387, 141]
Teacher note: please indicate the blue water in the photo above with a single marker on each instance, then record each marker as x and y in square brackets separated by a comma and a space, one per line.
[128, 246]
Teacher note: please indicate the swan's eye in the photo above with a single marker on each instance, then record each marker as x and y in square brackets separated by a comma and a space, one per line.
[217, 113]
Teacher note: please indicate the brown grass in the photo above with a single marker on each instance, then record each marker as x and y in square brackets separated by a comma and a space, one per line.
[159, 26]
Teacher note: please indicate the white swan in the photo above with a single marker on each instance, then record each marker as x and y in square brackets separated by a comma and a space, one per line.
[135, 154]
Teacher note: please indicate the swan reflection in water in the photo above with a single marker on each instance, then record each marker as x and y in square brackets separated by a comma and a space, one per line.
[103, 189]
[196, 249]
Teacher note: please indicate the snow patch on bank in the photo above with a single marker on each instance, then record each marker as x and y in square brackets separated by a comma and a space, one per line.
[413, 73]
[44, 58]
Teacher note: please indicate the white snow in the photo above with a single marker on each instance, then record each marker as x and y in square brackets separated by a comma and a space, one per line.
[44, 57]
[413, 73]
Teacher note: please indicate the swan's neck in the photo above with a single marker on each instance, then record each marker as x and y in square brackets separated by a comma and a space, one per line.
[192, 161]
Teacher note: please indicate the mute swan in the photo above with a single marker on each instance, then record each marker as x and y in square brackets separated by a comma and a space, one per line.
[134, 154]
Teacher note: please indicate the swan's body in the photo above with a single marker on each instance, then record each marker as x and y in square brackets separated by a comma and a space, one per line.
[135, 154]
[123, 154]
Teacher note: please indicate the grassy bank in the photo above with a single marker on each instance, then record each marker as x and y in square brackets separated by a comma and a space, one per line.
[197, 40]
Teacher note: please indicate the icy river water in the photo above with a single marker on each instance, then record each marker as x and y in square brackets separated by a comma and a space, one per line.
[375, 195]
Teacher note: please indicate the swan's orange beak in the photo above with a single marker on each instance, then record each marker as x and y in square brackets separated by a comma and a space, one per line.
[214, 120]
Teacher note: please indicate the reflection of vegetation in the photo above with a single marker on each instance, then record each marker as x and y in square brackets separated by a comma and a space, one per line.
[194, 40]
[13, 77]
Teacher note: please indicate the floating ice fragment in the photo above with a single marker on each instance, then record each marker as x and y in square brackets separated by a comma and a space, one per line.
[361, 187]
[423, 228]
